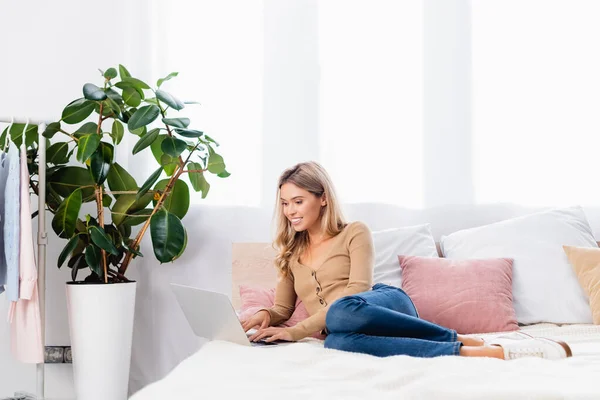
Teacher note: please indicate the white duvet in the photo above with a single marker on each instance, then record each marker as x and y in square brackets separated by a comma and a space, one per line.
[306, 370]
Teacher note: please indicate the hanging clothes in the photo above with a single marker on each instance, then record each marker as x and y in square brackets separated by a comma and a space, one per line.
[12, 221]
[26, 332]
[3, 266]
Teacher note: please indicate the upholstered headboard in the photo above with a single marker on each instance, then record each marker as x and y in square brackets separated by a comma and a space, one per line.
[252, 264]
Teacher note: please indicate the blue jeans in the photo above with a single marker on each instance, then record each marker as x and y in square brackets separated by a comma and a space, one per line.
[384, 322]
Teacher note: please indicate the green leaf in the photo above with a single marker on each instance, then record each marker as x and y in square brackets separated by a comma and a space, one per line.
[185, 242]
[111, 106]
[93, 92]
[106, 200]
[57, 153]
[125, 231]
[132, 250]
[198, 180]
[117, 132]
[173, 146]
[139, 132]
[93, 257]
[131, 97]
[16, 134]
[146, 140]
[223, 174]
[156, 148]
[123, 72]
[88, 128]
[136, 83]
[119, 180]
[86, 146]
[176, 122]
[149, 182]
[216, 165]
[101, 239]
[166, 78]
[77, 111]
[68, 179]
[143, 117]
[168, 236]
[100, 162]
[63, 222]
[152, 100]
[3, 140]
[51, 130]
[138, 217]
[189, 133]
[110, 73]
[76, 263]
[114, 95]
[71, 245]
[128, 204]
[210, 139]
[170, 100]
[178, 202]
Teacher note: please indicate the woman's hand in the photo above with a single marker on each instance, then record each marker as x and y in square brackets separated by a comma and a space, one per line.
[271, 334]
[261, 320]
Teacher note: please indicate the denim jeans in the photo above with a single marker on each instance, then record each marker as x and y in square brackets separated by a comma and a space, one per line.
[384, 322]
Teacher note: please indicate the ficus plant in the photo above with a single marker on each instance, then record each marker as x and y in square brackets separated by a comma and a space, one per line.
[82, 168]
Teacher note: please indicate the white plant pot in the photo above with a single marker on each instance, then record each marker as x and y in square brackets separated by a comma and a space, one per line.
[101, 327]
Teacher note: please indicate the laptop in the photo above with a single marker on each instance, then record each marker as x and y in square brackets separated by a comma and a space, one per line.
[212, 316]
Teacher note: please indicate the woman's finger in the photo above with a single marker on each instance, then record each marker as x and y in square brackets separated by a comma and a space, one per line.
[263, 333]
[276, 336]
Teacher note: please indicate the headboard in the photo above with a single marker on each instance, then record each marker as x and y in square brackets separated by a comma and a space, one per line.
[252, 264]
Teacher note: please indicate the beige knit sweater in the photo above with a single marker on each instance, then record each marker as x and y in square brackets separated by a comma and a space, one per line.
[347, 270]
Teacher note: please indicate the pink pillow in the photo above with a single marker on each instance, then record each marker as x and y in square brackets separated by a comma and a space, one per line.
[469, 296]
[255, 299]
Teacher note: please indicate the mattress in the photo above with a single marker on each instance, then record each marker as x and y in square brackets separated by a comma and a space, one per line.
[307, 370]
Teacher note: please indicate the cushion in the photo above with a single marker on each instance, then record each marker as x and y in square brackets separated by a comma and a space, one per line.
[545, 288]
[469, 296]
[390, 243]
[586, 264]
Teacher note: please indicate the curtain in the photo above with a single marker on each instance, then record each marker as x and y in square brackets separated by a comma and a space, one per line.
[536, 96]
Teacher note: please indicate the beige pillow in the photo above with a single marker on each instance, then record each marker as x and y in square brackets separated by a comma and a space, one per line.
[586, 263]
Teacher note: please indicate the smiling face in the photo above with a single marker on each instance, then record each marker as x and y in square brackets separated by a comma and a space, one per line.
[301, 207]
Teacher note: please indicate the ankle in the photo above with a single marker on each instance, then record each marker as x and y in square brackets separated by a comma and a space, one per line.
[482, 351]
[470, 340]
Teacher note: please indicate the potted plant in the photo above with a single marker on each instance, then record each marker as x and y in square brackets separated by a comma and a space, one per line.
[104, 243]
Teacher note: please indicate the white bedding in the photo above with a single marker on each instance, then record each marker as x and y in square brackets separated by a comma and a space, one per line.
[306, 370]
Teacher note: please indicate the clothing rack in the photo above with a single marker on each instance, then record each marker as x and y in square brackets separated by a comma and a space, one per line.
[42, 240]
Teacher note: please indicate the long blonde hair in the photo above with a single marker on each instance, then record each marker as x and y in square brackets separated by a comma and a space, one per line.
[310, 176]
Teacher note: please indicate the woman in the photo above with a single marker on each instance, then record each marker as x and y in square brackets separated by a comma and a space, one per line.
[328, 263]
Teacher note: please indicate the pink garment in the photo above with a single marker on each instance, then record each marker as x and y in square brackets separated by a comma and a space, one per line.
[26, 323]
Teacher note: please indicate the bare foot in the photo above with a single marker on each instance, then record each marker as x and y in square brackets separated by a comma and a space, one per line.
[470, 340]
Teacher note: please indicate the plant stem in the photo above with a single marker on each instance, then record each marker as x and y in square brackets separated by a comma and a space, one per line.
[99, 203]
[69, 135]
[100, 208]
[141, 233]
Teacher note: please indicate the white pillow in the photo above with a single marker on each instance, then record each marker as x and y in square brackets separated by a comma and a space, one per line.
[545, 288]
[390, 243]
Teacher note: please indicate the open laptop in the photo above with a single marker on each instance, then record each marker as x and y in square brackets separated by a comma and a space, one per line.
[211, 316]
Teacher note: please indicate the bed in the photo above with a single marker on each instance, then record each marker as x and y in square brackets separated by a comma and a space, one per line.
[306, 369]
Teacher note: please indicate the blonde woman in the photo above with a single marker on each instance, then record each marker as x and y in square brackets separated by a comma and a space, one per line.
[328, 264]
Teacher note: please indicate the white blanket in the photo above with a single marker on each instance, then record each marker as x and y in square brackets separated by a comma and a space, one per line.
[306, 370]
